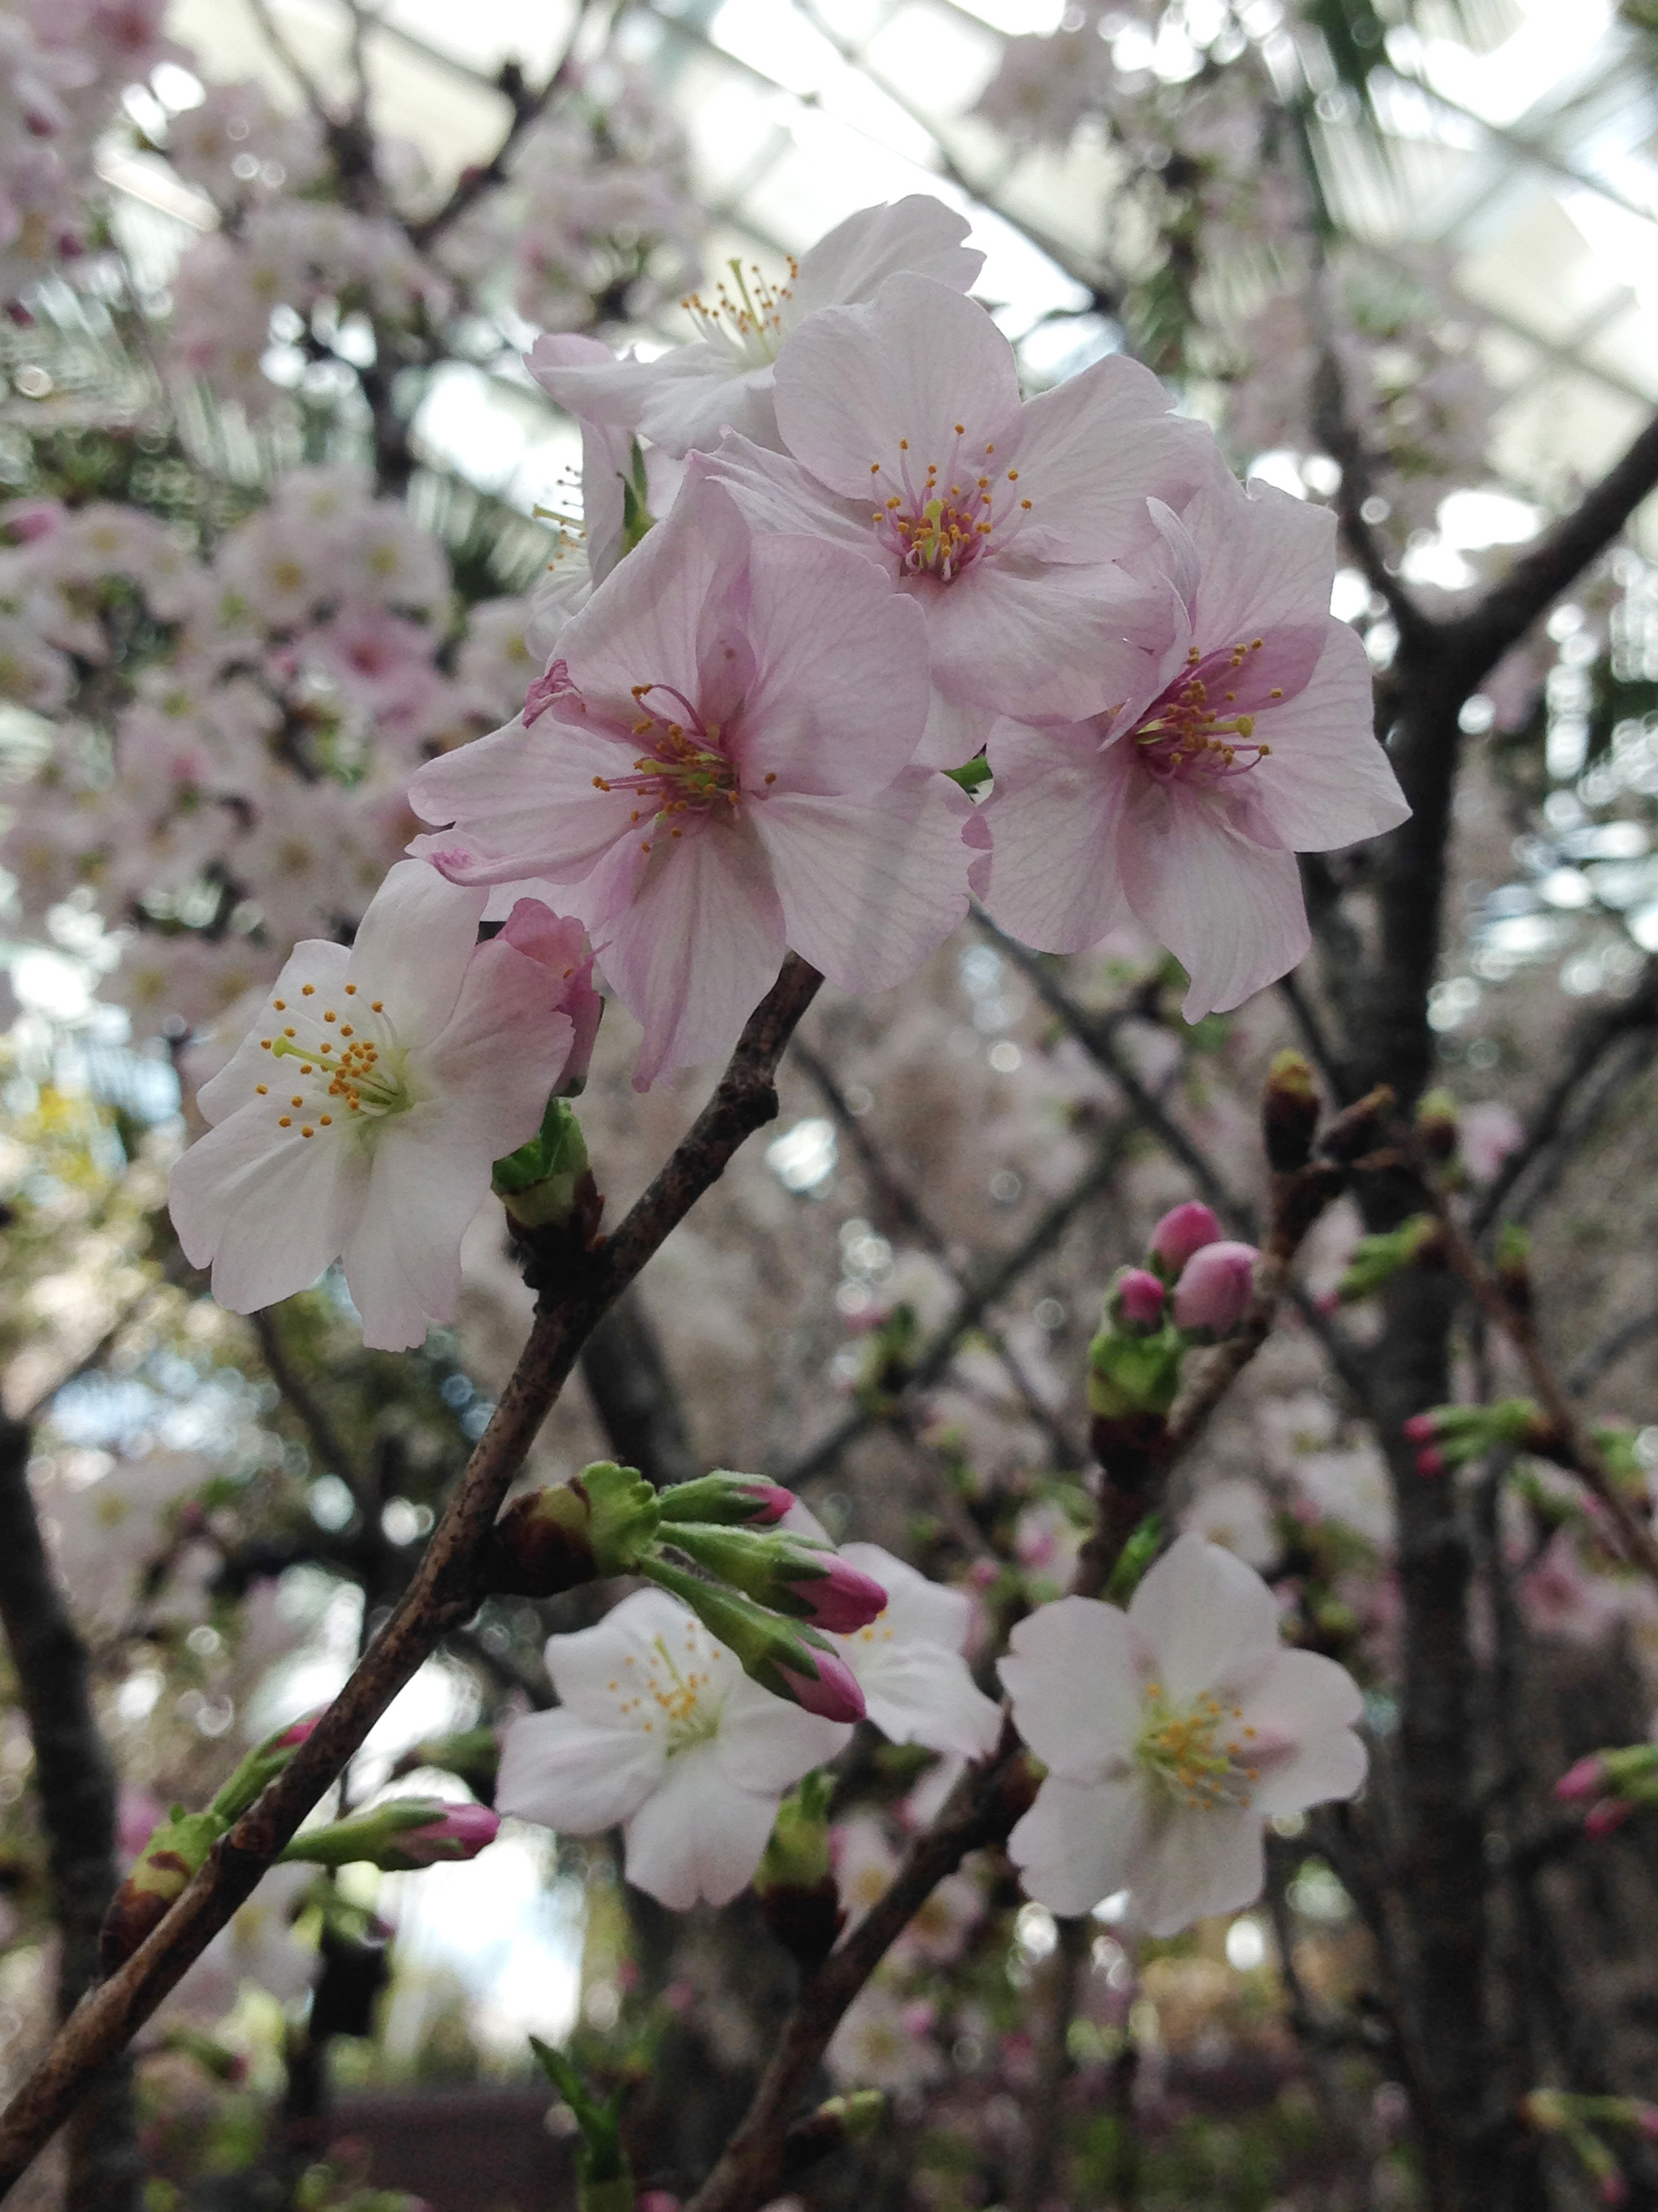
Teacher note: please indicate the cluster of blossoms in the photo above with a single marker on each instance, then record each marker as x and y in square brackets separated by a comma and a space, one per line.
[64, 64]
[597, 221]
[237, 777]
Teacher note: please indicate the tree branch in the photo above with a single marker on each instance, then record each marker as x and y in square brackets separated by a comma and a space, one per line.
[441, 1596]
[75, 1782]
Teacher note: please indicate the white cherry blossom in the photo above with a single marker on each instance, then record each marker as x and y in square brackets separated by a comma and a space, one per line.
[658, 1731]
[1171, 1733]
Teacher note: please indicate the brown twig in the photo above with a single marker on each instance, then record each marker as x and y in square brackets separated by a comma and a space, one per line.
[440, 1596]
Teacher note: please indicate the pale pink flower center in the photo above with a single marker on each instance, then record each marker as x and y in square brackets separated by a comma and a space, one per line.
[939, 522]
[1202, 1753]
[1193, 733]
[686, 771]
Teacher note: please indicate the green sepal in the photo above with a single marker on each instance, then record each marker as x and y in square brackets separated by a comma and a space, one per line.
[797, 1853]
[537, 1182]
[636, 517]
[971, 773]
[603, 2180]
[1134, 1560]
[1133, 1374]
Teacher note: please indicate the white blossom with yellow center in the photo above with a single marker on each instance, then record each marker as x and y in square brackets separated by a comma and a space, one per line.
[661, 1733]
[1171, 1733]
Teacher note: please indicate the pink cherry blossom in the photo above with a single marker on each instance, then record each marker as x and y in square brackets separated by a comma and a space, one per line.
[1184, 799]
[361, 1117]
[723, 774]
[723, 379]
[1181, 1231]
[1213, 1293]
[1006, 520]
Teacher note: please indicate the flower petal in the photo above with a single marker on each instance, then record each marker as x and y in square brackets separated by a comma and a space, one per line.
[270, 1208]
[1190, 1863]
[850, 263]
[870, 887]
[918, 1611]
[1206, 1618]
[1075, 1845]
[428, 1174]
[314, 960]
[560, 1770]
[1076, 1697]
[922, 1693]
[697, 1839]
[765, 1743]
[413, 946]
[1311, 1706]
[857, 384]
[1052, 818]
[1230, 912]
[1093, 450]
[1327, 781]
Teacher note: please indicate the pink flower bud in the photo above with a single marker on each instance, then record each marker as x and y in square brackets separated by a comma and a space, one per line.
[295, 1733]
[1422, 1428]
[1183, 1231]
[833, 1696]
[842, 1601]
[1646, 2119]
[32, 520]
[1430, 1460]
[1613, 2189]
[462, 1834]
[561, 946]
[1137, 1301]
[1588, 1778]
[772, 1503]
[1215, 1287]
[1611, 1813]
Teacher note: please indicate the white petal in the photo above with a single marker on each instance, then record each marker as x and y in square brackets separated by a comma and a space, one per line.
[765, 1743]
[315, 961]
[586, 1664]
[1309, 1703]
[502, 1049]
[1076, 1844]
[1207, 1619]
[561, 1770]
[413, 947]
[1194, 1863]
[918, 1610]
[428, 1177]
[923, 1693]
[1076, 1696]
[269, 1207]
[697, 1839]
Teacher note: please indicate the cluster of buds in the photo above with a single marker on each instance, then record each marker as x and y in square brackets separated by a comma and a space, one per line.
[1193, 1289]
[177, 1846]
[1616, 1784]
[772, 1597]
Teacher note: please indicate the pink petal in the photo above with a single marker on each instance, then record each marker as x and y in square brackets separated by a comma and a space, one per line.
[1327, 782]
[854, 383]
[869, 887]
[918, 234]
[1052, 818]
[1092, 451]
[1044, 643]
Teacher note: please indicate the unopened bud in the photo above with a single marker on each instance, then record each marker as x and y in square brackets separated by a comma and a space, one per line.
[850, 2119]
[795, 1884]
[1438, 1124]
[1182, 1230]
[173, 1854]
[736, 1499]
[263, 1765]
[561, 946]
[1587, 1778]
[1611, 1813]
[1512, 1266]
[1214, 1291]
[399, 1836]
[788, 1573]
[547, 1182]
[1290, 1108]
[1376, 1260]
[1134, 1301]
[599, 1523]
[784, 1657]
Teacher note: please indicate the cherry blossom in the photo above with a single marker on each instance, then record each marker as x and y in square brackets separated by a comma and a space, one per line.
[1184, 799]
[659, 1731]
[1171, 1733]
[1006, 520]
[723, 379]
[361, 1116]
[717, 770]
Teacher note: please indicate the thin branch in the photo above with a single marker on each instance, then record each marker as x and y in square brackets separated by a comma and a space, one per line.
[1339, 436]
[1600, 1359]
[442, 1593]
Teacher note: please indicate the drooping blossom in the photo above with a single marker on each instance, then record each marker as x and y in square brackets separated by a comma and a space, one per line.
[1006, 520]
[1171, 1733]
[1185, 798]
[658, 1731]
[723, 379]
[717, 770]
[360, 1119]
